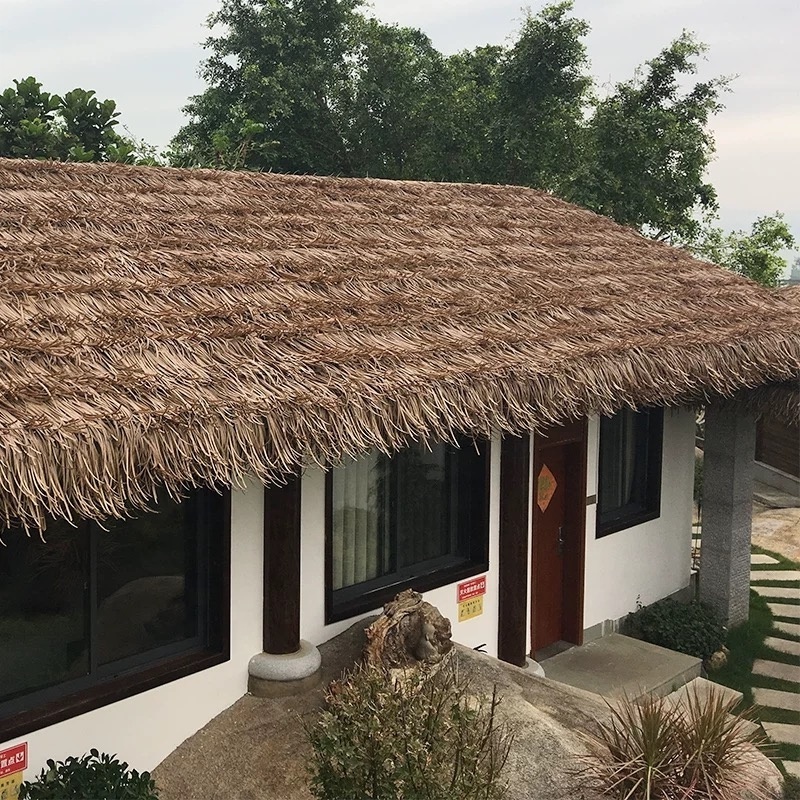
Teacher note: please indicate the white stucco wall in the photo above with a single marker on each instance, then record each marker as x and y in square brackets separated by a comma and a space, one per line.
[652, 560]
[480, 630]
[145, 728]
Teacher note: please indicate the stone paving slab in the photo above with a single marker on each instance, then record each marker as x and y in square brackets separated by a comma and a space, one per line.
[787, 627]
[774, 575]
[762, 558]
[783, 646]
[792, 768]
[784, 610]
[782, 732]
[773, 698]
[777, 592]
[777, 670]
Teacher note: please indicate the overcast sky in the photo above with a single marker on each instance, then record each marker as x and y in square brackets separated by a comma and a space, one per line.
[145, 55]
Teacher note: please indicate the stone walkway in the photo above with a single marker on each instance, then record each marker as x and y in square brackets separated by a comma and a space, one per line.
[785, 640]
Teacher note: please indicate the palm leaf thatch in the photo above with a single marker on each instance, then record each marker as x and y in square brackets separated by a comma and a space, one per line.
[176, 327]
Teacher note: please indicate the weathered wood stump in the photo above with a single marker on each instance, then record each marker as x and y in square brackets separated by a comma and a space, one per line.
[410, 631]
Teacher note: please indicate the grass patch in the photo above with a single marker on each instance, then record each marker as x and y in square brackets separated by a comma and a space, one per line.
[746, 644]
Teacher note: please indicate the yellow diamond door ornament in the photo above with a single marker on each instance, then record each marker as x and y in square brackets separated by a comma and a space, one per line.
[545, 488]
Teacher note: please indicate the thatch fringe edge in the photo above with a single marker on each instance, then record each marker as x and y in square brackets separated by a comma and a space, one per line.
[107, 469]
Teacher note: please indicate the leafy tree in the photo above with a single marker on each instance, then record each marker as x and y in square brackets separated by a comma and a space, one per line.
[755, 255]
[75, 127]
[276, 76]
[316, 86]
[544, 87]
[648, 146]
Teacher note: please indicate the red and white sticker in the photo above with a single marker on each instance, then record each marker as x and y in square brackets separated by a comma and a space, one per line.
[13, 759]
[474, 587]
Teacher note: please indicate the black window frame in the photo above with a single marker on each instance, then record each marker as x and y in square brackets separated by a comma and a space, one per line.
[139, 673]
[360, 598]
[649, 446]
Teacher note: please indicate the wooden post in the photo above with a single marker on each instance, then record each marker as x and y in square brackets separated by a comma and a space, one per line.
[282, 567]
[514, 564]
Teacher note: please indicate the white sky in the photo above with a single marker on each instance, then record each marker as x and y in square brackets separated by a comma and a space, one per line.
[145, 55]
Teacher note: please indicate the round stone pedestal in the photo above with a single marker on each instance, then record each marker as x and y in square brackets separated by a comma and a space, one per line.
[535, 667]
[273, 675]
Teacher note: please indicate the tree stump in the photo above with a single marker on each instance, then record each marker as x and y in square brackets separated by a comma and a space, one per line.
[410, 631]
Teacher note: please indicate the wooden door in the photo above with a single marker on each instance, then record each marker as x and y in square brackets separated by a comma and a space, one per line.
[548, 547]
[559, 523]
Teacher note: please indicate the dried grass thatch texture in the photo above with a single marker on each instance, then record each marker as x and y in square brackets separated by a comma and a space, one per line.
[173, 327]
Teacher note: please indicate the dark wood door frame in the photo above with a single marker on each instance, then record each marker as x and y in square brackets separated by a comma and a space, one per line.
[573, 437]
[513, 591]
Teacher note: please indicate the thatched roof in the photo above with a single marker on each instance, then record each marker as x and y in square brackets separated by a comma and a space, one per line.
[173, 327]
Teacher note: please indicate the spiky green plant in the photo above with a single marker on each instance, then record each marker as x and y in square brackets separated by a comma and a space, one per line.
[658, 749]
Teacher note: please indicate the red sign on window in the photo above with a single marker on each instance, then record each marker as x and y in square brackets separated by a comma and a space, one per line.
[474, 587]
[13, 759]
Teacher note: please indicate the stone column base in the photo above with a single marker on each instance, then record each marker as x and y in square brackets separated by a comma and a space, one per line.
[286, 674]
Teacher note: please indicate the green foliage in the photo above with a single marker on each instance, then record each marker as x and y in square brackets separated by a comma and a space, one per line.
[755, 255]
[75, 127]
[692, 628]
[699, 461]
[94, 775]
[544, 86]
[316, 86]
[420, 735]
[648, 146]
[791, 788]
[651, 750]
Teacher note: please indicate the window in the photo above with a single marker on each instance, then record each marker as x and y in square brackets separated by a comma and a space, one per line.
[92, 606]
[418, 518]
[629, 490]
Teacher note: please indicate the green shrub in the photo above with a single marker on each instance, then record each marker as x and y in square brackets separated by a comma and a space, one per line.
[791, 788]
[419, 736]
[692, 628]
[95, 775]
[698, 477]
[654, 750]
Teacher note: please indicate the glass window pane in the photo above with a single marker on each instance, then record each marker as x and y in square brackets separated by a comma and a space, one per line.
[147, 581]
[359, 520]
[422, 497]
[43, 609]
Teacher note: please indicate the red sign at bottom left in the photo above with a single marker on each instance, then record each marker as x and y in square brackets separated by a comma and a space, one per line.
[13, 759]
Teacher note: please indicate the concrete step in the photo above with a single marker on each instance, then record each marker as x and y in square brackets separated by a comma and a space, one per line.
[782, 732]
[776, 592]
[786, 575]
[776, 670]
[772, 698]
[787, 627]
[784, 610]
[762, 558]
[620, 666]
[788, 646]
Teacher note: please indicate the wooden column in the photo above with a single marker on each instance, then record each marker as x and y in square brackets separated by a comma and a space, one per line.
[514, 562]
[282, 568]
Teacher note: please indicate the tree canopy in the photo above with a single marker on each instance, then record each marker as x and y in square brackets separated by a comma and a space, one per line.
[318, 86]
[73, 127]
[755, 255]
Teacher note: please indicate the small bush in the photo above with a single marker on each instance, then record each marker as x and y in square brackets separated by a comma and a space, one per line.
[662, 752]
[791, 788]
[422, 735]
[94, 775]
[692, 628]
